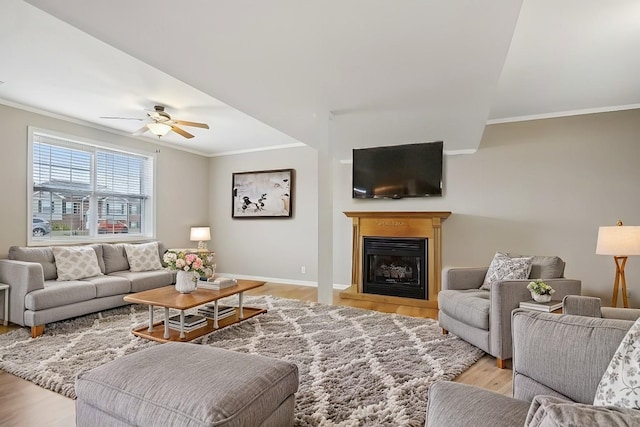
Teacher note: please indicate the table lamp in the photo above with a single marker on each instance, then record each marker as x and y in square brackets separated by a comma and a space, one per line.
[202, 235]
[619, 241]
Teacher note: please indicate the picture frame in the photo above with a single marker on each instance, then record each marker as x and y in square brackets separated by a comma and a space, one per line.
[262, 194]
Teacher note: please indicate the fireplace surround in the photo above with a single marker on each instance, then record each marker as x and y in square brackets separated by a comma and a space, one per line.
[393, 273]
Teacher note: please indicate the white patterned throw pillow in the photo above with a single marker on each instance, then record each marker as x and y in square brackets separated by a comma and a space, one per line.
[143, 257]
[620, 384]
[76, 262]
[504, 267]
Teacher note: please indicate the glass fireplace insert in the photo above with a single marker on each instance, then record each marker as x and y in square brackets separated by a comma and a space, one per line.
[395, 266]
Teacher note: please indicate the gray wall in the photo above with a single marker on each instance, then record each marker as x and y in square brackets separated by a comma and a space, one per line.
[538, 187]
[181, 178]
[274, 248]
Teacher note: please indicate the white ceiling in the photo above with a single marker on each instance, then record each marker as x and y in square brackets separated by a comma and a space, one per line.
[331, 73]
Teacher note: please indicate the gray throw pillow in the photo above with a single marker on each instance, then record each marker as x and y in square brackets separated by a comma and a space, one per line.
[43, 256]
[550, 411]
[544, 267]
[115, 258]
[504, 267]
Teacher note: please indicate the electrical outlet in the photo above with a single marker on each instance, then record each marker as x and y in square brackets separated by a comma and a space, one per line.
[303, 269]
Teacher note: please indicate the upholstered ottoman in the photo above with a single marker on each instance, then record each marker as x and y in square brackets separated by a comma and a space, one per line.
[180, 384]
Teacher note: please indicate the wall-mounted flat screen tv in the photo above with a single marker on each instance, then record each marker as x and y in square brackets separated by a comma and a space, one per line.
[398, 171]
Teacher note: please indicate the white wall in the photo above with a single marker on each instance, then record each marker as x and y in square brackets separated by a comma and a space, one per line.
[274, 248]
[539, 187]
[181, 179]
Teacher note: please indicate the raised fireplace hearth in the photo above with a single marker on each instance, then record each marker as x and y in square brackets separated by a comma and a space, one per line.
[396, 257]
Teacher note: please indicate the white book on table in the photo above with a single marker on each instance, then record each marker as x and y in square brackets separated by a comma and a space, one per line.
[210, 314]
[221, 307]
[189, 319]
[218, 283]
[187, 328]
[542, 306]
[211, 311]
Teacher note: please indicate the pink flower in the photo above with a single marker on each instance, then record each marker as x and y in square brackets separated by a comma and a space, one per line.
[197, 264]
[180, 263]
[190, 258]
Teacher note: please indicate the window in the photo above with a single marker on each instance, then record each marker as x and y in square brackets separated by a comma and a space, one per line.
[85, 191]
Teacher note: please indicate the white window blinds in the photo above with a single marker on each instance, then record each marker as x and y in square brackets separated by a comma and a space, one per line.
[83, 190]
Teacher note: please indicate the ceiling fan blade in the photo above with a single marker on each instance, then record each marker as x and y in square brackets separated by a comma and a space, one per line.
[181, 132]
[140, 131]
[194, 124]
[121, 118]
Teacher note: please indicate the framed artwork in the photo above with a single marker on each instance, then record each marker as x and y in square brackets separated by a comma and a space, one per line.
[262, 194]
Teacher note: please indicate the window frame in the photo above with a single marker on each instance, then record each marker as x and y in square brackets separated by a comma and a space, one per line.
[92, 146]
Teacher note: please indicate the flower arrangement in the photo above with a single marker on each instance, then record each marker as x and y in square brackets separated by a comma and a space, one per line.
[539, 287]
[183, 261]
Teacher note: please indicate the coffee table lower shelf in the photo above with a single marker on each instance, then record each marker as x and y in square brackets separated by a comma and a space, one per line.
[157, 333]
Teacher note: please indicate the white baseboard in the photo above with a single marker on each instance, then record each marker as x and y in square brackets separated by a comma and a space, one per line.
[337, 286]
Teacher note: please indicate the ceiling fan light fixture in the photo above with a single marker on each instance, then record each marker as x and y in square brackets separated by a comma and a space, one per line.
[159, 129]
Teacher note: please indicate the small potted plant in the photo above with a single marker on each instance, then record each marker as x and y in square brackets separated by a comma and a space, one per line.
[540, 291]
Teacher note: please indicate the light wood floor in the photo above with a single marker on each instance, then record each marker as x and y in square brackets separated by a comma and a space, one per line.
[26, 404]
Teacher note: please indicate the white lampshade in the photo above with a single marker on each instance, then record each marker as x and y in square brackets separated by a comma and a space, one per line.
[159, 129]
[618, 240]
[200, 234]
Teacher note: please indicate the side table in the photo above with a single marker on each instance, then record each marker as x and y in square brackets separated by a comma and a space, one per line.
[4, 287]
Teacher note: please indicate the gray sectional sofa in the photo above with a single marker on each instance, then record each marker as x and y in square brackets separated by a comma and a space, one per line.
[558, 361]
[37, 297]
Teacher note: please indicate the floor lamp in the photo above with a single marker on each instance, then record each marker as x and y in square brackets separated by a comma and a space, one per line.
[620, 241]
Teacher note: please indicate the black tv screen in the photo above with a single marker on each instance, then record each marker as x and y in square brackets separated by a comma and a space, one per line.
[410, 170]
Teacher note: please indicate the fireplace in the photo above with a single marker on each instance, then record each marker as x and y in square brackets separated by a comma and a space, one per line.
[396, 257]
[395, 266]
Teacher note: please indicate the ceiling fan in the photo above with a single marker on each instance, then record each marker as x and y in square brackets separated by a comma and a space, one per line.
[162, 123]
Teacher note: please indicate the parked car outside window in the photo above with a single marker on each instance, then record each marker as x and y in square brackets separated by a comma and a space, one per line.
[112, 227]
[40, 227]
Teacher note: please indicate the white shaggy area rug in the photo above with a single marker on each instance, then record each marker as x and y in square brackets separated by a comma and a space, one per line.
[357, 367]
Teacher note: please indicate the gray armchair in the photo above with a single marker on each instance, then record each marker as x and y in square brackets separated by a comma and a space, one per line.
[558, 361]
[482, 317]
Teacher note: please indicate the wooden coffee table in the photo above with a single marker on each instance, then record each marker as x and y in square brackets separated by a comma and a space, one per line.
[168, 298]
